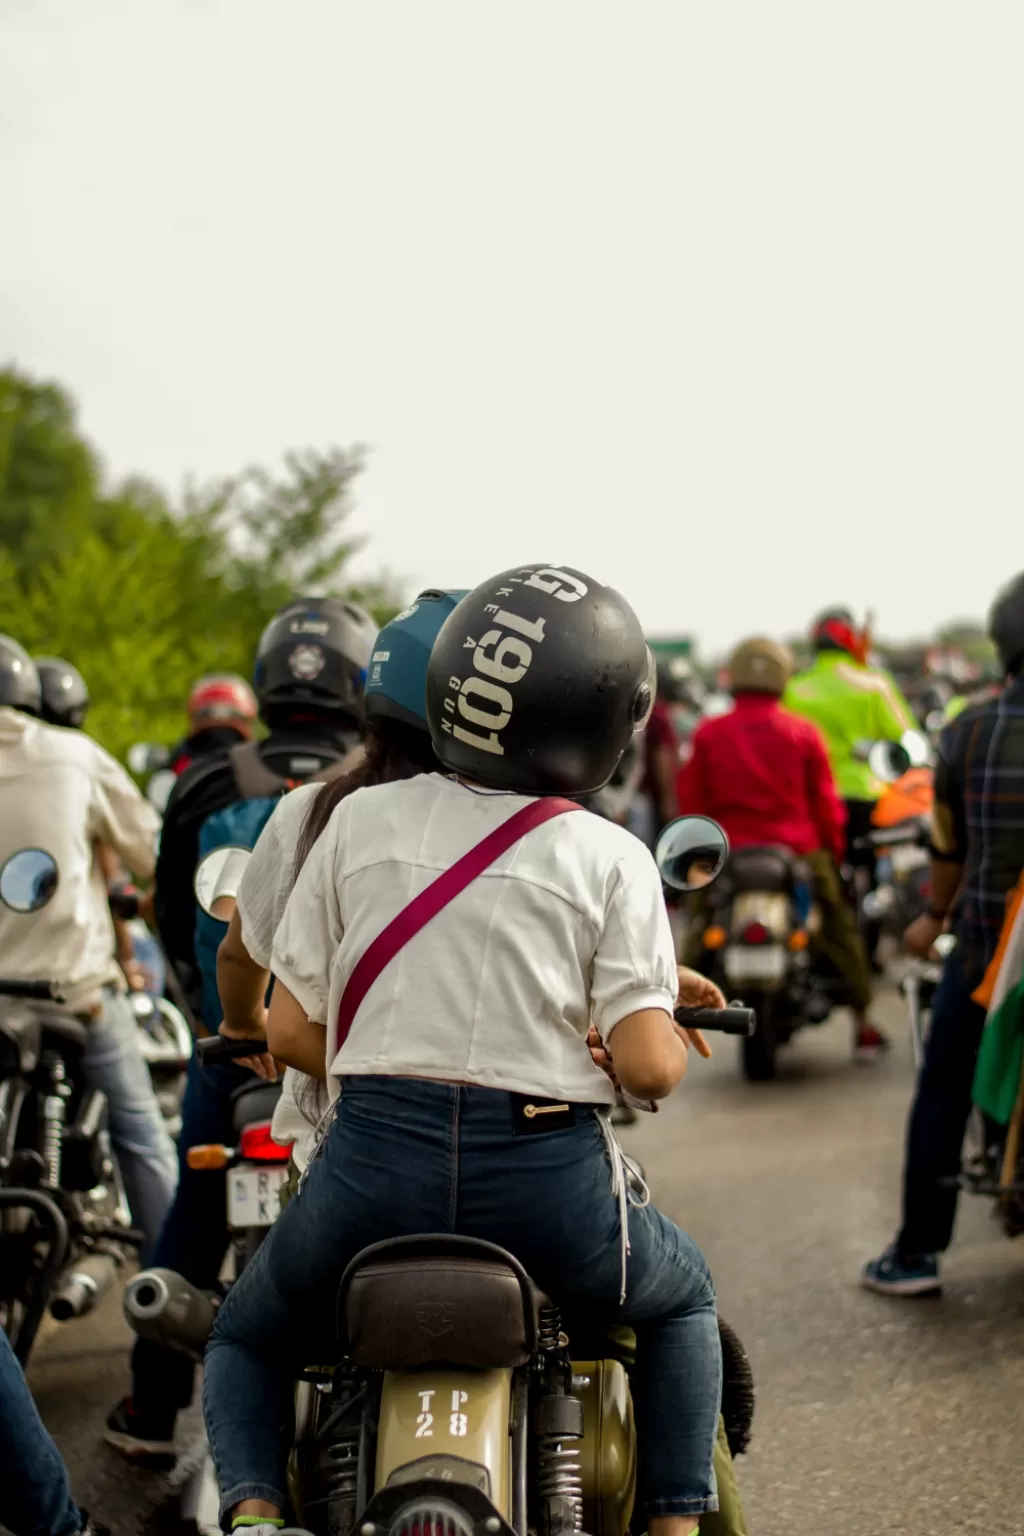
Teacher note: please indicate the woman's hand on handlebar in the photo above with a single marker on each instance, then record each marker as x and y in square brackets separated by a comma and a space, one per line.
[696, 991]
[244, 1029]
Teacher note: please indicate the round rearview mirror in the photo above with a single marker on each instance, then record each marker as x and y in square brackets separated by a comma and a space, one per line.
[691, 852]
[28, 880]
[888, 761]
[147, 757]
[915, 744]
[217, 879]
[158, 790]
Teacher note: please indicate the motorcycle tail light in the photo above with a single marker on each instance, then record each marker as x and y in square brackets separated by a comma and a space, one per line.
[799, 940]
[755, 933]
[257, 1145]
[714, 937]
[206, 1157]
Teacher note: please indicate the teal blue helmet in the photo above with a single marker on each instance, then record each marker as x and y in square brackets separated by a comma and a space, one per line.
[396, 684]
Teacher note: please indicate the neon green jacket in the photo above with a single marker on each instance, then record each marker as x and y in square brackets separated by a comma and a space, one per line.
[850, 704]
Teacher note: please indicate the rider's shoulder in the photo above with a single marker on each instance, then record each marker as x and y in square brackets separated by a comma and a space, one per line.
[610, 846]
[207, 780]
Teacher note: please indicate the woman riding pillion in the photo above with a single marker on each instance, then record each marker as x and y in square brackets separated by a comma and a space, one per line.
[537, 682]
[396, 745]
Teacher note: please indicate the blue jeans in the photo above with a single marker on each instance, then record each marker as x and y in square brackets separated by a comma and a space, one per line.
[942, 1105]
[112, 1062]
[406, 1156]
[35, 1496]
[194, 1237]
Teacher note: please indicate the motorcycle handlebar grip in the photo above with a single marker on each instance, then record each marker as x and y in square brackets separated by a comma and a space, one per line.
[124, 904]
[33, 991]
[220, 1048]
[734, 1020]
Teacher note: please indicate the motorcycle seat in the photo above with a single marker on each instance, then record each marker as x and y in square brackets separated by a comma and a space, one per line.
[253, 1102]
[767, 869]
[438, 1300]
[65, 1026]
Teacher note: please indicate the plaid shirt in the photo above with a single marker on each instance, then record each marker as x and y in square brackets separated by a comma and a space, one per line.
[978, 819]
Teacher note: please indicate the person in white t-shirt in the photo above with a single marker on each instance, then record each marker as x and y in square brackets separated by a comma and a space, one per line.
[471, 1102]
[397, 746]
[61, 793]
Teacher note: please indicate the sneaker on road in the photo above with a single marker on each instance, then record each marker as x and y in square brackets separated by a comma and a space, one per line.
[893, 1274]
[140, 1437]
[870, 1043]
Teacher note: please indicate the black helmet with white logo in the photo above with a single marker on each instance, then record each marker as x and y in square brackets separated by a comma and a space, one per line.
[19, 680]
[313, 658]
[537, 682]
[65, 698]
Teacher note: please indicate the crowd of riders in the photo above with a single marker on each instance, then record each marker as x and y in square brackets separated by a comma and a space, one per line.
[360, 766]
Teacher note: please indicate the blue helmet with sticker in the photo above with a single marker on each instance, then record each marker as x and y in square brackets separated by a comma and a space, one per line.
[396, 685]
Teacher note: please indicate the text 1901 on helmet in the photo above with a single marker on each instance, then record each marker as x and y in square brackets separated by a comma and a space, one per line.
[19, 680]
[538, 681]
[221, 699]
[1006, 625]
[313, 658]
[65, 698]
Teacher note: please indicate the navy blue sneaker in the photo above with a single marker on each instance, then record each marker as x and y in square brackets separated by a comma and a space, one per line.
[895, 1274]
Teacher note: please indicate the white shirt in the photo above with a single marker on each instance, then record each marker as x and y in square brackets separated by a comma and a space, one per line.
[262, 897]
[60, 791]
[499, 989]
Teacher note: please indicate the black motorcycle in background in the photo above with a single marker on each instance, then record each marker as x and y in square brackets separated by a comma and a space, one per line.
[65, 1227]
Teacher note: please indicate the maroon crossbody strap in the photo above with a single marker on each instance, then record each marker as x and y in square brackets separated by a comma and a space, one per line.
[437, 896]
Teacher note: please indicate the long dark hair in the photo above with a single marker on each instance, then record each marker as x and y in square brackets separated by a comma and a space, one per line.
[392, 750]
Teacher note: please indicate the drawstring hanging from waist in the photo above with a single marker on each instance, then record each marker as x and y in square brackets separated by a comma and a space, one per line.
[629, 1188]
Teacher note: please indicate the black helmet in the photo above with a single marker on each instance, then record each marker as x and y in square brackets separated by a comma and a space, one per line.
[65, 698]
[676, 681]
[313, 656]
[19, 680]
[1006, 625]
[537, 682]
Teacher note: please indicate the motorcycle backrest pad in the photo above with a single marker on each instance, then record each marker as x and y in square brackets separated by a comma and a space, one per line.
[765, 869]
[437, 1300]
[254, 1102]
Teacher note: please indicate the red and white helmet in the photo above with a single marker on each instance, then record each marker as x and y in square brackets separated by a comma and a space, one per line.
[221, 699]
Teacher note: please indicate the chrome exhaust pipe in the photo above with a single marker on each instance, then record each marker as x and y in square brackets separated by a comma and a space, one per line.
[82, 1286]
[161, 1306]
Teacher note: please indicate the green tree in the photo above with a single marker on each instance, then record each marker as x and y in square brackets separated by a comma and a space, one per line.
[142, 597]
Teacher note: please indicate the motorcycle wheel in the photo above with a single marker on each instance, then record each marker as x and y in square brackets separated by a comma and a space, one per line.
[760, 1049]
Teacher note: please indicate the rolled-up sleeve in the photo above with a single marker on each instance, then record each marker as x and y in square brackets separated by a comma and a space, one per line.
[634, 963]
[311, 929]
[120, 816]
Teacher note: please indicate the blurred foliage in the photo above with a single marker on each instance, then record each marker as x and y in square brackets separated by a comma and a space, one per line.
[144, 597]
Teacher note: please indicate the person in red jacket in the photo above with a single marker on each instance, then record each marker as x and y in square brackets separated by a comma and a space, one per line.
[764, 775]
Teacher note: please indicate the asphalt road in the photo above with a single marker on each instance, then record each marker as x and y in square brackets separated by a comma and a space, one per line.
[874, 1416]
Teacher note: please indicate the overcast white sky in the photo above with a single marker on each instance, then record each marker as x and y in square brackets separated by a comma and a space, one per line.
[722, 301]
